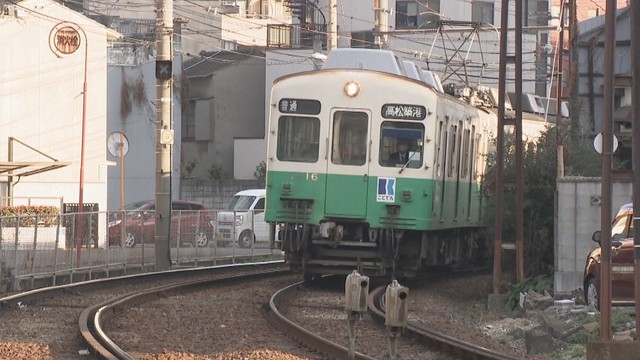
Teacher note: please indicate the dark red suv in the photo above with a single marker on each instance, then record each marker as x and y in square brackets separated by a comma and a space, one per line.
[191, 223]
[622, 274]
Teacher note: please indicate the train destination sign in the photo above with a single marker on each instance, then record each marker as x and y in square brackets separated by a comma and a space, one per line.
[404, 111]
[299, 106]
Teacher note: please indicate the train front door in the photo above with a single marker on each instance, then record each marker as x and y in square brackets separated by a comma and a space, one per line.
[348, 164]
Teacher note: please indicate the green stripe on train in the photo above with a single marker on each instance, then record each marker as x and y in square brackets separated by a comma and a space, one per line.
[401, 203]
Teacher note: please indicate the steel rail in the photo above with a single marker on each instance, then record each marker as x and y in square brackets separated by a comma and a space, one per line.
[92, 318]
[303, 335]
[449, 344]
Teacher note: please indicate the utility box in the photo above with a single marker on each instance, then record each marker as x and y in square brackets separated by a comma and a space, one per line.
[397, 310]
[356, 289]
[89, 227]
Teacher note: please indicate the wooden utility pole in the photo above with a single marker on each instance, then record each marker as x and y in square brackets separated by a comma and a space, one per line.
[164, 133]
[497, 244]
[607, 161]
[634, 17]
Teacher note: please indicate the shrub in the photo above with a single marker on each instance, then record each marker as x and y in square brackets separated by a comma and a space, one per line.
[28, 215]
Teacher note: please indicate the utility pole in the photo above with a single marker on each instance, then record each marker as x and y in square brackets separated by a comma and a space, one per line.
[333, 25]
[497, 244]
[607, 160]
[559, 147]
[635, 138]
[164, 133]
[519, 148]
[381, 22]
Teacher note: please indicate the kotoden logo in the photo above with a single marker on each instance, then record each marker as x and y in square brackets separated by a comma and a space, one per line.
[386, 190]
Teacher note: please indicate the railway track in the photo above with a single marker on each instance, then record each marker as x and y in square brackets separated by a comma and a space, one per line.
[43, 323]
[92, 318]
[442, 343]
[104, 309]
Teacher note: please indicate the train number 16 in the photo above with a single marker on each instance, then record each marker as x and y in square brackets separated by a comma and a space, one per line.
[312, 176]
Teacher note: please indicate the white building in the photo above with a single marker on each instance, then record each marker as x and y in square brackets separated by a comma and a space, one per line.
[50, 53]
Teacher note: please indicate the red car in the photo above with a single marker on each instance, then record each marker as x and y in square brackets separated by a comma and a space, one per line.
[191, 223]
[622, 263]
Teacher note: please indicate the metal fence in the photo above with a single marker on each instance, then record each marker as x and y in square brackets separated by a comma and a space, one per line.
[46, 250]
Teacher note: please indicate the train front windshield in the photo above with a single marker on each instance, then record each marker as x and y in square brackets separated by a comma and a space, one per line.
[401, 144]
[298, 139]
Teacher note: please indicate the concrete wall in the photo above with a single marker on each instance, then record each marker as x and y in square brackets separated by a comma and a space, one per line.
[215, 194]
[235, 103]
[139, 126]
[578, 216]
[247, 155]
[591, 57]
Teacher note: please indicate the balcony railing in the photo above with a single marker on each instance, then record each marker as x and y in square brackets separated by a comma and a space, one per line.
[296, 36]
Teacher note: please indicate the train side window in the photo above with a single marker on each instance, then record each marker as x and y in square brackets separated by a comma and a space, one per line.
[298, 139]
[453, 150]
[401, 144]
[350, 135]
[465, 153]
[436, 158]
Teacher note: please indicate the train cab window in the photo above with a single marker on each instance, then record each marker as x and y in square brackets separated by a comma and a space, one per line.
[298, 139]
[401, 144]
[350, 135]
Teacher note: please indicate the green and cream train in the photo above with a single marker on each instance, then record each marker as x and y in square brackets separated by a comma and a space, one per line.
[343, 198]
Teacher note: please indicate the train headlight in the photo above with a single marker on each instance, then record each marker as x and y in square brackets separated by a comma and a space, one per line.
[352, 88]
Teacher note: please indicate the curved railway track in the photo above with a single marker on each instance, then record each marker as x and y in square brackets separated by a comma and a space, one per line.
[92, 318]
[43, 323]
[443, 343]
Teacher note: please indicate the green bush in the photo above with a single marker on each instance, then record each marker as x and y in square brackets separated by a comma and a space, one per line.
[29, 215]
[538, 284]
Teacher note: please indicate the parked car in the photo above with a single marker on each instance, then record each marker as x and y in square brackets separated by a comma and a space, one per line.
[244, 219]
[191, 223]
[622, 263]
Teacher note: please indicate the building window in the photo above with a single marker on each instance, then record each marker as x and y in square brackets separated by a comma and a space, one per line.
[417, 14]
[189, 126]
[482, 11]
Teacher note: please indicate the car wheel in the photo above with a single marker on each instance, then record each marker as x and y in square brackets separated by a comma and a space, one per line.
[129, 240]
[202, 239]
[246, 239]
[592, 296]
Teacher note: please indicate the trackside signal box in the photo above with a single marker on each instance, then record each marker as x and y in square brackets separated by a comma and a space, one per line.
[356, 290]
[396, 305]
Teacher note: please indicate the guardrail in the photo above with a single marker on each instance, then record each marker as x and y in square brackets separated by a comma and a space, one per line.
[46, 250]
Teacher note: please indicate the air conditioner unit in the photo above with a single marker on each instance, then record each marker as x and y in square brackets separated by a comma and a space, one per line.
[7, 10]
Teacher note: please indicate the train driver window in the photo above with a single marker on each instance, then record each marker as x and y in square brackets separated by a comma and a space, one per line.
[298, 139]
[401, 144]
[350, 134]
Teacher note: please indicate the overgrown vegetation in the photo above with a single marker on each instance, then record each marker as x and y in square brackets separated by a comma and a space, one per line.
[29, 215]
[216, 172]
[132, 93]
[539, 284]
[540, 172]
[261, 171]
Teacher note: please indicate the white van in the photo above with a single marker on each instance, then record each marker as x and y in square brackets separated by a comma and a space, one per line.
[243, 220]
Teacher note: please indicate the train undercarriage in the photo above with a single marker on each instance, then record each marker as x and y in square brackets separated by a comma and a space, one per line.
[341, 247]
